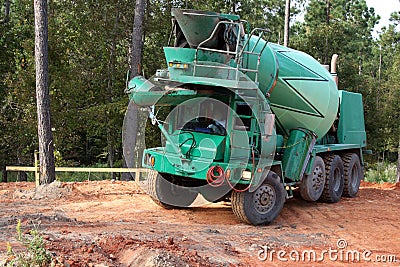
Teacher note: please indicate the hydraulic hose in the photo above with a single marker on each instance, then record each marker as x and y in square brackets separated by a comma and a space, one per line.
[215, 176]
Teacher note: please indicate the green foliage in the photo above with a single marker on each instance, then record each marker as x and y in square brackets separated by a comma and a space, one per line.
[89, 44]
[390, 42]
[87, 49]
[13, 177]
[17, 81]
[381, 172]
[366, 65]
[35, 253]
[382, 96]
[82, 176]
[338, 26]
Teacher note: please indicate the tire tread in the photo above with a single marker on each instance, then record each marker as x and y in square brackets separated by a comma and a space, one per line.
[347, 192]
[152, 189]
[243, 205]
[304, 193]
[327, 192]
[237, 201]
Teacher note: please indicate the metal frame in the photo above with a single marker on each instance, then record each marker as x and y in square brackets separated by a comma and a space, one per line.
[238, 54]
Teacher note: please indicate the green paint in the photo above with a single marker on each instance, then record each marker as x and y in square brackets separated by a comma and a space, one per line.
[196, 25]
[351, 129]
[297, 153]
[295, 87]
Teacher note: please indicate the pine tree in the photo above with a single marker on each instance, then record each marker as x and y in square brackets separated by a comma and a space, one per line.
[46, 145]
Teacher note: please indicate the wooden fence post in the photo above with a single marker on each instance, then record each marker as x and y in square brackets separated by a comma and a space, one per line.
[137, 176]
[37, 175]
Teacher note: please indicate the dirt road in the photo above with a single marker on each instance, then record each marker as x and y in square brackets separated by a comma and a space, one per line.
[115, 224]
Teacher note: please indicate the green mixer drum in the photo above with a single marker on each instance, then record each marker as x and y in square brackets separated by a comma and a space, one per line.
[302, 92]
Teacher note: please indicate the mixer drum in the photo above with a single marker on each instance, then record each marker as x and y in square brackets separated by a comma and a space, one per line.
[302, 92]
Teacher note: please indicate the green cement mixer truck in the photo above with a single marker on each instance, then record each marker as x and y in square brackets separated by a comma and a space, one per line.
[249, 121]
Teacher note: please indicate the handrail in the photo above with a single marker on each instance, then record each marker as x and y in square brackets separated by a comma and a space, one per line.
[240, 55]
[237, 54]
[259, 37]
[216, 50]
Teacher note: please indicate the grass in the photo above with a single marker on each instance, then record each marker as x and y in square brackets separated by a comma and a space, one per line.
[81, 176]
[34, 254]
[84, 176]
[381, 172]
[13, 177]
[67, 176]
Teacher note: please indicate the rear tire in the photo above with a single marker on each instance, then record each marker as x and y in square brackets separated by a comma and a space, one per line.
[261, 206]
[334, 181]
[312, 185]
[167, 194]
[353, 174]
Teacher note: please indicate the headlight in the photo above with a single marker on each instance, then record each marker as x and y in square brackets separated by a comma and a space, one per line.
[246, 175]
[150, 160]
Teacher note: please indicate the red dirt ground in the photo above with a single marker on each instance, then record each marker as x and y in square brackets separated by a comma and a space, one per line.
[105, 223]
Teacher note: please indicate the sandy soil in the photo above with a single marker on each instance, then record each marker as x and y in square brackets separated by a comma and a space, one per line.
[115, 224]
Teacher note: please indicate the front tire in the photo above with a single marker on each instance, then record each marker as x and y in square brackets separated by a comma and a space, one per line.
[334, 182]
[167, 194]
[353, 174]
[262, 206]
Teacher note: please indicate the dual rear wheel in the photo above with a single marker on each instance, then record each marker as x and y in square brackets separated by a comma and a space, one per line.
[332, 177]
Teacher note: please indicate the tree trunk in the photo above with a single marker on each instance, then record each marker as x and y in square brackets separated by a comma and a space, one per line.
[21, 176]
[398, 164]
[7, 5]
[135, 70]
[46, 146]
[328, 19]
[129, 133]
[328, 12]
[4, 174]
[111, 156]
[137, 38]
[287, 21]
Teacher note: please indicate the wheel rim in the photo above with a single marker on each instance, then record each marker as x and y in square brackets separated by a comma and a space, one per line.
[336, 179]
[265, 198]
[317, 178]
[354, 176]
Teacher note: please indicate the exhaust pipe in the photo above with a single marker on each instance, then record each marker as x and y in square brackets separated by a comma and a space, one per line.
[334, 68]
